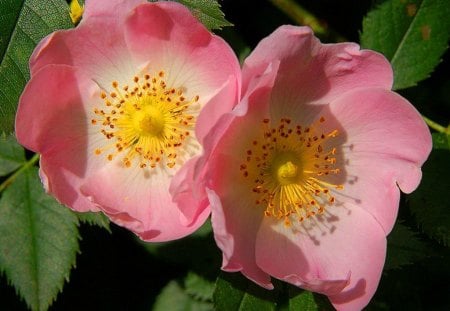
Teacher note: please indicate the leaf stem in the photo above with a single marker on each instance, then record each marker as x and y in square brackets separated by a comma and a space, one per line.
[24, 167]
[303, 17]
[435, 126]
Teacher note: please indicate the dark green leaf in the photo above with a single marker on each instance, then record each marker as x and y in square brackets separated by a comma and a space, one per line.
[12, 154]
[197, 251]
[199, 287]
[95, 219]
[38, 240]
[412, 34]
[404, 248]
[234, 292]
[429, 203]
[23, 24]
[441, 141]
[9, 13]
[208, 12]
[174, 297]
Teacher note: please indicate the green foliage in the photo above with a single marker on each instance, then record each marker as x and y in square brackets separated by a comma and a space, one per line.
[23, 23]
[38, 240]
[175, 297]
[199, 287]
[429, 203]
[404, 248]
[94, 219]
[301, 300]
[208, 12]
[12, 155]
[234, 292]
[441, 141]
[194, 293]
[412, 34]
[10, 10]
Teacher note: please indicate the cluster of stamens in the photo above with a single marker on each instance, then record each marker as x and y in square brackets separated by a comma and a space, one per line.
[287, 167]
[147, 121]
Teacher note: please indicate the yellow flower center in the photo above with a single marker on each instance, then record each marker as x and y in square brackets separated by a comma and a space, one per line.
[286, 169]
[146, 121]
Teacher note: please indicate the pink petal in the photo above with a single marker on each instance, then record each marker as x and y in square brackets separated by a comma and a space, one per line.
[109, 8]
[139, 200]
[63, 183]
[221, 103]
[188, 194]
[103, 55]
[386, 144]
[311, 72]
[235, 225]
[255, 104]
[165, 36]
[343, 249]
[51, 120]
[233, 217]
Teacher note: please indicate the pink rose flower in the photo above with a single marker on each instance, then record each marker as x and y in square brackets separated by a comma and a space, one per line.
[119, 107]
[304, 174]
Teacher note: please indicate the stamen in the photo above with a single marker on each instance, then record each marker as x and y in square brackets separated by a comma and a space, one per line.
[139, 120]
[285, 169]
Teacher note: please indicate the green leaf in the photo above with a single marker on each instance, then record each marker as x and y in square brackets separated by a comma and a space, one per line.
[38, 240]
[173, 297]
[429, 203]
[199, 287]
[94, 219]
[301, 300]
[404, 247]
[12, 155]
[23, 24]
[441, 141]
[234, 292]
[208, 12]
[412, 34]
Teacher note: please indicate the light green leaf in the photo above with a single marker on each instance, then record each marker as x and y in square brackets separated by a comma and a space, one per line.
[412, 34]
[94, 219]
[441, 141]
[38, 240]
[208, 12]
[199, 287]
[404, 247]
[23, 24]
[12, 155]
[174, 298]
[234, 292]
[429, 203]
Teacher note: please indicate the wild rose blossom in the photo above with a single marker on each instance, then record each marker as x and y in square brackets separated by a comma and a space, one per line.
[115, 108]
[304, 174]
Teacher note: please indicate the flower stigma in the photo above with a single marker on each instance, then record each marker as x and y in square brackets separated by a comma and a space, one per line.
[146, 121]
[286, 168]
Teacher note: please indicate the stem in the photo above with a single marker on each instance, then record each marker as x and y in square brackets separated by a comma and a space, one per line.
[24, 167]
[436, 126]
[303, 17]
